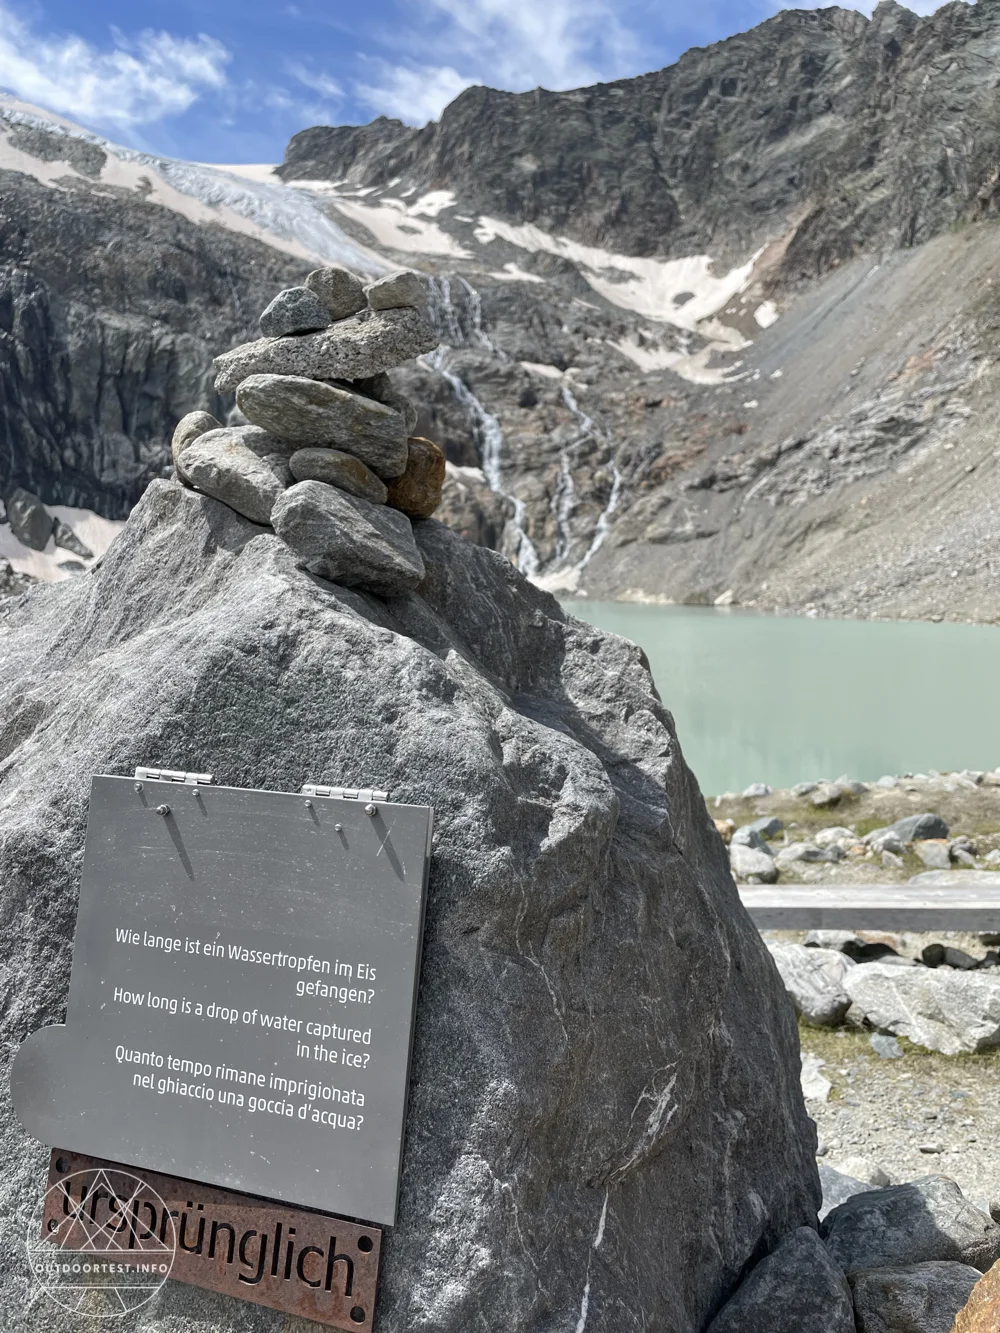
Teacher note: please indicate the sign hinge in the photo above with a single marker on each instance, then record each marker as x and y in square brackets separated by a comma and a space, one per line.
[345, 793]
[173, 775]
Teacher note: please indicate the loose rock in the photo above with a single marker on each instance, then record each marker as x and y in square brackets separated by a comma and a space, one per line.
[349, 541]
[747, 861]
[338, 469]
[341, 293]
[347, 351]
[982, 1312]
[403, 288]
[940, 1009]
[838, 1187]
[748, 836]
[757, 789]
[417, 493]
[30, 522]
[64, 536]
[826, 794]
[912, 1298]
[188, 429]
[925, 1220]
[224, 464]
[307, 411]
[807, 851]
[295, 310]
[934, 853]
[814, 978]
[794, 1289]
[915, 828]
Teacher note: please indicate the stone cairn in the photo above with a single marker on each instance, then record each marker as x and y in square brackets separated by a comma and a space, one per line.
[327, 459]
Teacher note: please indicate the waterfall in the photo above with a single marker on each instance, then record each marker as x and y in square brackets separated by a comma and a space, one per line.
[460, 325]
[603, 526]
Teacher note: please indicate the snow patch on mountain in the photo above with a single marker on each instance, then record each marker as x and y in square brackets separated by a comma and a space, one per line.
[241, 200]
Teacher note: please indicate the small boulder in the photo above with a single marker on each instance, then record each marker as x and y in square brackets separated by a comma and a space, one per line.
[748, 836]
[940, 1009]
[64, 536]
[838, 1187]
[946, 955]
[768, 827]
[311, 412]
[827, 837]
[915, 828]
[417, 493]
[341, 293]
[188, 429]
[349, 541]
[794, 1289]
[240, 465]
[755, 790]
[30, 522]
[405, 287]
[814, 978]
[981, 1314]
[748, 861]
[295, 310]
[934, 852]
[912, 1298]
[807, 851]
[338, 469]
[826, 794]
[928, 1219]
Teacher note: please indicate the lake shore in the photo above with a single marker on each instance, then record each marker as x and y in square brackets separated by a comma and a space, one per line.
[837, 832]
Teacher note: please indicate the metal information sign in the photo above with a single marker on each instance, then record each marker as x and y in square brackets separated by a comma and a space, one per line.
[242, 995]
[322, 1268]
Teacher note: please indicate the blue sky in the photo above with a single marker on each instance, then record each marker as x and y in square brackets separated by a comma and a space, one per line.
[232, 80]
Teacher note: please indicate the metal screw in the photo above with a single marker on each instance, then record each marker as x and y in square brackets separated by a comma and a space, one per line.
[138, 786]
[371, 809]
[163, 810]
[309, 805]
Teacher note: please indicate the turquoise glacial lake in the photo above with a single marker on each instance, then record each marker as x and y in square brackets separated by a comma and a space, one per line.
[785, 699]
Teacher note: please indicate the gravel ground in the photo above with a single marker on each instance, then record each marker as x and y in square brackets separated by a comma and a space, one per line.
[923, 1113]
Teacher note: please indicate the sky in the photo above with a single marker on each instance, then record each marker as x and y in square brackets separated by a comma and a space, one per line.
[231, 81]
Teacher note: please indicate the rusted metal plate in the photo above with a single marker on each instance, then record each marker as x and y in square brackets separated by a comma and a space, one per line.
[291, 1259]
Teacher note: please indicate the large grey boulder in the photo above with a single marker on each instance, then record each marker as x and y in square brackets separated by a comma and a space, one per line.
[814, 978]
[795, 1289]
[349, 350]
[239, 465]
[305, 411]
[348, 540]
[604, 1119]
[30, 522]
[927, 1219]
[912, 1298]
[935, 1007]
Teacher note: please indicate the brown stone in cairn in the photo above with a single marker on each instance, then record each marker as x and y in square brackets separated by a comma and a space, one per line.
[417, 493]
[982, 1312]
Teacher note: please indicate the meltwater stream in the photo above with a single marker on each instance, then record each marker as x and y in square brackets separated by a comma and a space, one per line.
[785, 699]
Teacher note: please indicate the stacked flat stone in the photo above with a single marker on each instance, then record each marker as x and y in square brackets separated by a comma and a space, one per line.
[328, 459]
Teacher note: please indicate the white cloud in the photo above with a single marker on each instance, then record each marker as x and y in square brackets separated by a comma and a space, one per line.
[133, 82]
[515, 44]
[524, 43]
[415, 94]
[316, 82]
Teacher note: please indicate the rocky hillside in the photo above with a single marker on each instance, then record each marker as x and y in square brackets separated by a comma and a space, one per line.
[724, 331]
